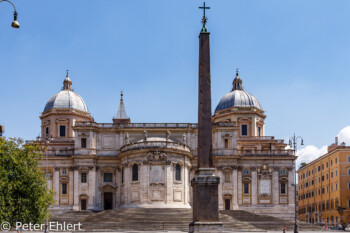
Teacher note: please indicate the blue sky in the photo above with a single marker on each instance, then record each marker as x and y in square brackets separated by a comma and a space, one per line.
[293, 55]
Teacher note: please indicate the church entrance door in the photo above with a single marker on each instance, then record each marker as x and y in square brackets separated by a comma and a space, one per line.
[83, 204]
[227, 204]
[108, 200]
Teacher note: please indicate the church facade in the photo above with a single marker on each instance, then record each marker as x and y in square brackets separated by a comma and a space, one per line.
[121, 164]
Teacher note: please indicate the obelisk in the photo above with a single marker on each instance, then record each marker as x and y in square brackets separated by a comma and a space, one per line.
[205, 183]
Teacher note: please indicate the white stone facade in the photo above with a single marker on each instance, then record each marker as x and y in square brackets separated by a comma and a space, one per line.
[101, 166]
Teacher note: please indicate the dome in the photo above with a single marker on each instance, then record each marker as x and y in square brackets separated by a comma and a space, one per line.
[66, 98]
[238, 97]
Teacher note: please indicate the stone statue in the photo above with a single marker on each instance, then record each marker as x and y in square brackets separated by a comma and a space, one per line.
[184, 138]
[127, 138]
[168, 133]
[145, 135]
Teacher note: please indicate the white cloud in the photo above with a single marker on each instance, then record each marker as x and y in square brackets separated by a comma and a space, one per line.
[310, 152]
[344, 135]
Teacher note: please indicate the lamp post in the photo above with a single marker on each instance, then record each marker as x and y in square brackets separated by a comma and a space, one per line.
[47, 140]
[14, 23]
[293, 142]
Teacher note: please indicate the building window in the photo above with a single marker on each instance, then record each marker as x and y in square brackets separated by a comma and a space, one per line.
[244, 130]
[107, 177]
[227, 176]
[83, 177]
[322, 178]
[283, 188]
[283, 172]
[122, 175]
[47, 131]
[246, 188]
[259, 131]
[327, 176]
[319, 168]
[245, 172]
[64, 171]
[331, 174]
[331, 162]
[62, 130]
[178, 172]
[348, 171]
[322, 166]
[348, 158]
[336, 160]
[227, 144]
[83, 143]
[64, 188]
[349, 185]
[322, 190]
[135, 172]
[336, 172]
[326, 164]
[336, 186]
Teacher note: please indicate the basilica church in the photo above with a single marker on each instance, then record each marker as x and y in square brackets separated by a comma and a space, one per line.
[124, 164]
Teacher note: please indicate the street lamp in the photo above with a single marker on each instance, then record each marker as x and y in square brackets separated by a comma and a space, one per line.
[14, 23]
[293, 142]
[47, 140]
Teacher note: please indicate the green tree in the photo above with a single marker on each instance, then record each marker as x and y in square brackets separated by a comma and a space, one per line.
[24, 194]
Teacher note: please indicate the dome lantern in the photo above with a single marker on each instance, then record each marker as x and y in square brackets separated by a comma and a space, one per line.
[237, 82]
[67, 83]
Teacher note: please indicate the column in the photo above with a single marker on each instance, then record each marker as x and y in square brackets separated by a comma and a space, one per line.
[56, 185]
[92, 181]
[220, 174]
[254, 188]
[239, 187]
[71, 187]
[291, 189]
[76, 189]
[275, 189]
[144, 169]
[169, 183]
[235, 189]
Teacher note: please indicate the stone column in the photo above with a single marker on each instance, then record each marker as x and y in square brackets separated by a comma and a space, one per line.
[56, 185]
[275, 187]
[168, 183]
[76, 189]
[254, 188]
[71, 187]
[235, 189]
[239, 187]
[291, 191]
[92, 180]
[144, 183]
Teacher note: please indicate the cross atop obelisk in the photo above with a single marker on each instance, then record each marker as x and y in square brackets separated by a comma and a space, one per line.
[204, 19]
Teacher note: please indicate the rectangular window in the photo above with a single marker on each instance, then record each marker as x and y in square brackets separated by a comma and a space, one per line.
[122, 175]
[322, 178]
[107, 177]
[259, 131]
[64, 171]
[322, 190]
[322, 166]
[283, 188]
[349, 185]
[64, 188]
[348, 158]
[336, 172]
[326, 164]
[319, 168]
[244, 130]
[227, 144]
[83, 143]
[83, 177]
[246, 188]
[331, 174]
[336, 160]
[331, 162]
[62, 130]
[47, 131]
[348, 171]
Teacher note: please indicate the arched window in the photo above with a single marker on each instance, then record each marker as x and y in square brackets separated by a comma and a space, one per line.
[178, 172]
[135, 172]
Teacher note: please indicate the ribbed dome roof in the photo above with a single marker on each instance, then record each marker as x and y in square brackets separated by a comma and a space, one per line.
[238, 97]
[66, 99]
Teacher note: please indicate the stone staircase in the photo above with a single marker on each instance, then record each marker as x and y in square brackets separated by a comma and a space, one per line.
[152, 219]
[268, 223]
